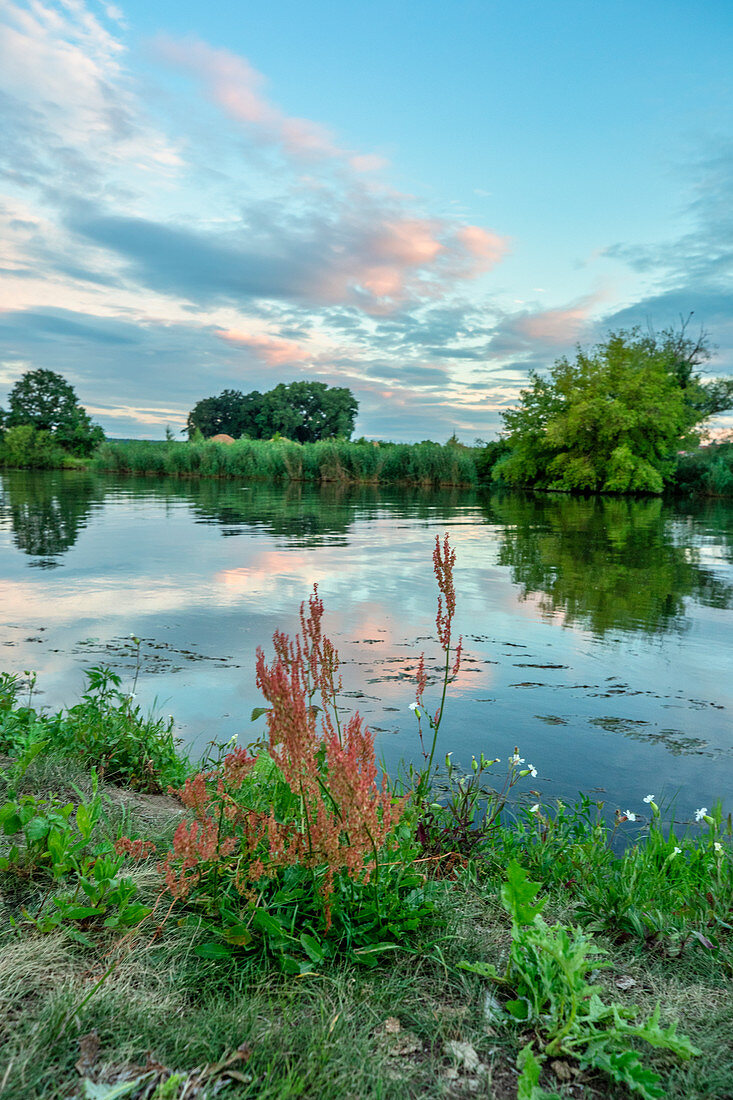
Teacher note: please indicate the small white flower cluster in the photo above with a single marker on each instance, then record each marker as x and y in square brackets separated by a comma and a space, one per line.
[515, 760]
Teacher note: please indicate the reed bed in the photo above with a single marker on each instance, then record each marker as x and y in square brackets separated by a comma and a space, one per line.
[283, 460]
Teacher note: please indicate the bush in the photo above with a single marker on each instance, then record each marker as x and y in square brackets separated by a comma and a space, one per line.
[104, 728]
[28, 448]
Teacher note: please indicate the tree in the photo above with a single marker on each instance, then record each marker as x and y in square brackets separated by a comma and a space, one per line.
[614, 419]
[302, 411]
[231, 412]
[308, 411]
[47, 402]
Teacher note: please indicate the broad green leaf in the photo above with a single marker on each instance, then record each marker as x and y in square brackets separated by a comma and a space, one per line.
[239, 935]
[79, 912]
[485, 970]
[312, 948]
[84, 820]
[211, 950]
[258, 712]
[93, 1091]
[518, 894]
[37, 828]
[528, 1085]
[11, 822]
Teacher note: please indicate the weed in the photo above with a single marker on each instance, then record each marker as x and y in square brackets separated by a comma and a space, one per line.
[547, 971]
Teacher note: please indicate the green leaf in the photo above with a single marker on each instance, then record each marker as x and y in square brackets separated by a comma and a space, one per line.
[258, 712]
[485, 970]
[212, 950]
[528, 1085]
[93, 1091]
[84, 820]
[12, 823]
[625, 1068]
[239, 935]
[518, 894]
[312, 948]
[79, 912]
[518, 1009]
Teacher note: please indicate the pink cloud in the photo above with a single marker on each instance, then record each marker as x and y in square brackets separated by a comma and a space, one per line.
[488, 248]
[557, 326]
[269, 349]
[367, 162]
[235, 86]
[391, 259]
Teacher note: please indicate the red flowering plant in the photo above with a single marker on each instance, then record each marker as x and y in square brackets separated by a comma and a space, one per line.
[444, 560]
[298, 844]
[455, 810]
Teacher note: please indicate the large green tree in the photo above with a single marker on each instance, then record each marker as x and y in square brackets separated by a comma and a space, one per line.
[302, 411]
[613, 419]
[47, 402]
[231, 412]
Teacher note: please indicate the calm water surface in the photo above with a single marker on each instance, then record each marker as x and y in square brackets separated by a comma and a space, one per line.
[597, 632]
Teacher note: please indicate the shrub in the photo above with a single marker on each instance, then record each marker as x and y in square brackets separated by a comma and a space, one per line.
[26, 447]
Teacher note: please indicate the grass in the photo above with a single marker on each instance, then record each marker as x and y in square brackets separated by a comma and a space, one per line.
[341, 1030]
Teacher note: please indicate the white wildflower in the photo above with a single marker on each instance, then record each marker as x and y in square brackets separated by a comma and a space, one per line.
[700, 814]
[674, 852]
[535, 809]
[629, 816]
[532, 770]
[649, 798]
[718, 846]
[516, 759]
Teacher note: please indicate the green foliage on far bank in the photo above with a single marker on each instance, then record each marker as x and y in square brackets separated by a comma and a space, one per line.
[614, 419]
[284, 460]
[303, 411]
[44, 426]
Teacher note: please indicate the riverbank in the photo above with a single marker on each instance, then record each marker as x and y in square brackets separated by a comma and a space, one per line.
[705, 472]
[109, 980]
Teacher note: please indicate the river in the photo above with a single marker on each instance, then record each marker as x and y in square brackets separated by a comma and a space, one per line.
[597, 632]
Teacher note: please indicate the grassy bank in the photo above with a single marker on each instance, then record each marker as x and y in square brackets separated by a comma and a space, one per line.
[282, 460]
[95, 1001]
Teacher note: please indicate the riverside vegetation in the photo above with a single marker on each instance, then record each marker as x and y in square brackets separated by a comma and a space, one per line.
[284, 923]
[625, 417]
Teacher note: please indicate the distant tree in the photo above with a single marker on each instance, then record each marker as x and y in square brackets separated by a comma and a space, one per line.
[47, 402]
[307, 412]
[302, 411]
[214, 415]
[613, 419]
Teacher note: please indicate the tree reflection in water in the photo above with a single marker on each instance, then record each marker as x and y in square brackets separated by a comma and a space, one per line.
[47, 511]
[606, 563]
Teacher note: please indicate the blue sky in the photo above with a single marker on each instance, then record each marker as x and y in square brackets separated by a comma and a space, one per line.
[419, 200]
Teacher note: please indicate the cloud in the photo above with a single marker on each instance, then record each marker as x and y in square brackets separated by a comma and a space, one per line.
[237, 88]
[374, 258]
[272, 350]
[67, 108]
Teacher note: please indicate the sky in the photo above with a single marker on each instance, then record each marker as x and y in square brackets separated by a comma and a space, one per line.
[420, 200]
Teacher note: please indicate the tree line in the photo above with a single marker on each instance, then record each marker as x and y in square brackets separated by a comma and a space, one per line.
[612, 419]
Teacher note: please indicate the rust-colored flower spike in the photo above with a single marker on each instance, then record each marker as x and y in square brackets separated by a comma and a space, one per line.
[332, 770]
[444, 559]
